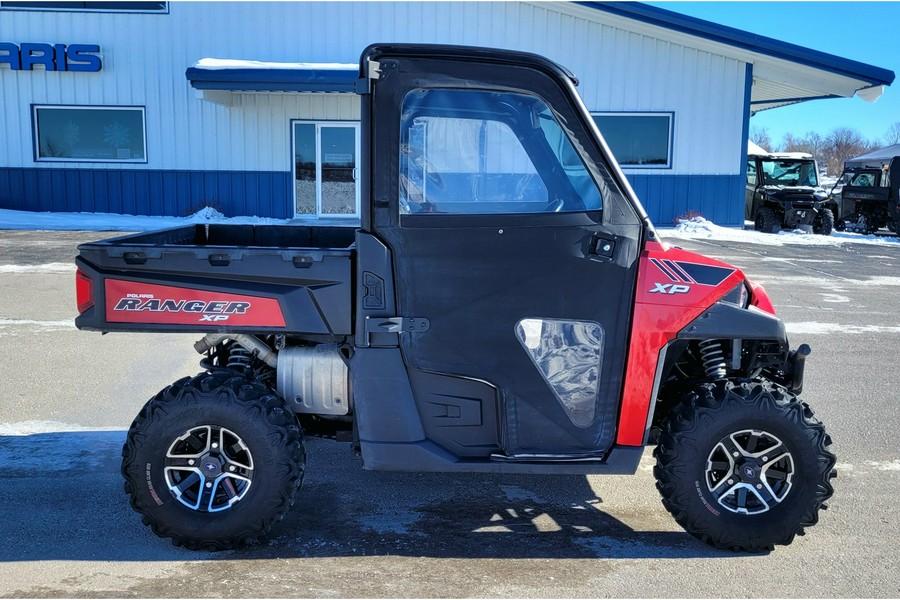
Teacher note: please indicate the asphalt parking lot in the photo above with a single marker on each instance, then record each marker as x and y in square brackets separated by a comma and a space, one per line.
[67, 397]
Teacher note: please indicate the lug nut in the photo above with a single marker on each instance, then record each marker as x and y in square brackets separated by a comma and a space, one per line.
[735, 454]
[215, 445]
[765, 459]
[209, 484]
[191, 461]
[231, 468]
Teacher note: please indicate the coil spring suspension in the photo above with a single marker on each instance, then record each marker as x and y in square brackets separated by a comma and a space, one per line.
[239, 357]
[712, 357]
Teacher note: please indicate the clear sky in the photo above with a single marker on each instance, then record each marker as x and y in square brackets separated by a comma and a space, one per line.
[868, 32]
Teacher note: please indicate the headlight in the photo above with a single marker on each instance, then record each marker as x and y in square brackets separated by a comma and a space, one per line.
[740, 295]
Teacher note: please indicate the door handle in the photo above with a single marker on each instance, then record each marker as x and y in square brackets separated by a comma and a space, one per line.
[603, 247]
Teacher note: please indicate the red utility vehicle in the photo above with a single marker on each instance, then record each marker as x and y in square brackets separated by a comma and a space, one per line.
[504, 307]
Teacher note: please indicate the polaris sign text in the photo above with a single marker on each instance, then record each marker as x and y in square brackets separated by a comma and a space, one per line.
[53, 57]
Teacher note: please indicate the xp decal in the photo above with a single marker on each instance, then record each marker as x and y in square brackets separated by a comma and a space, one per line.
[136, 302]
[670, 288]
[682, 272]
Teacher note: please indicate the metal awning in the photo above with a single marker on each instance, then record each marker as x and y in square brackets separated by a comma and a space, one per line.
[216, 79]
[783, 73]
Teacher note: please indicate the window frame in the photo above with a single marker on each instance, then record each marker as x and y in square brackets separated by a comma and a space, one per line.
[36, 139]
[318, 125]
[561, 177]
[162, 11]
[670, 141]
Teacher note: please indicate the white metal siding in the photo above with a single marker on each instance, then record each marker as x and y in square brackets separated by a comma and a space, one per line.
[145, 57]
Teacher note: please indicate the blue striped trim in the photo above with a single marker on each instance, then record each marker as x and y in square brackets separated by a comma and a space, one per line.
[147, 192]
[719, 198]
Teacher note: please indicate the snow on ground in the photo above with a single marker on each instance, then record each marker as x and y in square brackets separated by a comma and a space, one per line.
[813, 328]
[59, 221]
[48, 268]
[36, 427]
[696, 228]
[700, 228]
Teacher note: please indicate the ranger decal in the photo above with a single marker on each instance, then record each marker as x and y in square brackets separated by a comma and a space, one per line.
[136, 302]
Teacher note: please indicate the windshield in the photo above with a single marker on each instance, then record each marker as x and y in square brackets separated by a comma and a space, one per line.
[789, 172]
[865, 179]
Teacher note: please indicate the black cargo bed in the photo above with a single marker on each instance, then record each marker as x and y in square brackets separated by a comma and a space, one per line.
[306, 270]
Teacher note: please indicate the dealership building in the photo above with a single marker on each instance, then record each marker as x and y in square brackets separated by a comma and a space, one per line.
[163, 108]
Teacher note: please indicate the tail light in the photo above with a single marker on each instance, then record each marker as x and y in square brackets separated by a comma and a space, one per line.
[84, 291]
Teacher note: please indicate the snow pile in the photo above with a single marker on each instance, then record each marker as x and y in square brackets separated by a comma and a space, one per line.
[700, 228]
[58, 221]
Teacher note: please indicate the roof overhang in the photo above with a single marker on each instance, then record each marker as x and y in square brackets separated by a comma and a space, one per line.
[783, 73]
[216, 79]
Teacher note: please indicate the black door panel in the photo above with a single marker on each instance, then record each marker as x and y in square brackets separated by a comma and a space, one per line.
[498, 208]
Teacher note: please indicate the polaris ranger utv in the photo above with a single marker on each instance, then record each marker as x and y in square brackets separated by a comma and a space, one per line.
[870, 198]
[783, 192]
[505, 307]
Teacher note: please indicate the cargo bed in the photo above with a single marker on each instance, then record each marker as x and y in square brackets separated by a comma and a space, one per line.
[217, 277]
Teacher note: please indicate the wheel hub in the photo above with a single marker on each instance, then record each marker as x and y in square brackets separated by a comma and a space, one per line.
[211, 466]
[208, 468]
[749, 472]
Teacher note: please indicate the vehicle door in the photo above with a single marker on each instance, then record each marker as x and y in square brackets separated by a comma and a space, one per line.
[893, 175]
[750, 190]
[511, 235]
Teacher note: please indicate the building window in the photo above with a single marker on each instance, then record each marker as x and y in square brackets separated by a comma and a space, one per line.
[90, 134]
[326, 157]
[638, 139]
[157, 7]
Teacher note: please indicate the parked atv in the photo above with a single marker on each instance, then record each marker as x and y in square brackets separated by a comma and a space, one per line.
[528, 321]
[783, 192]
[870, 199]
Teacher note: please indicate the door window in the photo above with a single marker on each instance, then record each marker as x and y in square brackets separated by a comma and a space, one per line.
[478, 152]
[568, 354]
[326, 159]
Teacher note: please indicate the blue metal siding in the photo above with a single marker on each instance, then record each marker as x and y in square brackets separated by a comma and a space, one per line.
[719, 198]
[141, 192]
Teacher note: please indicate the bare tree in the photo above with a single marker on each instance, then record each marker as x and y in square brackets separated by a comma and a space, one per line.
[760, 137]
[893, 135]
[790, 143]
[814, 144]
[842, 144]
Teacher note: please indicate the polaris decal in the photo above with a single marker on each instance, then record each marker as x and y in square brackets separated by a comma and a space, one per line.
[681, 272]
[135, 302]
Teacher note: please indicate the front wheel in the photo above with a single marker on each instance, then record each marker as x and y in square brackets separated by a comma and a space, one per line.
[744, 466]
[824, 222]
[213, 461]
[767, 221]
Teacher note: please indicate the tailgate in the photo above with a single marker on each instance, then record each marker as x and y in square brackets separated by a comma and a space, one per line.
[187, 280]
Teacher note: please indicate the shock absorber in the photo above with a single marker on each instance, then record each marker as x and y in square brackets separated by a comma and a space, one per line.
[712, 357]
[239, 358]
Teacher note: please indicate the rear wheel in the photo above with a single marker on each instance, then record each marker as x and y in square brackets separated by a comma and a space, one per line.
[213, 461]
[767, 221]
[824, 222]
[744, 466]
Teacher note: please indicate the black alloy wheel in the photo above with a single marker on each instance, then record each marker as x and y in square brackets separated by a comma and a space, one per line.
[744, 465]
[213, 461]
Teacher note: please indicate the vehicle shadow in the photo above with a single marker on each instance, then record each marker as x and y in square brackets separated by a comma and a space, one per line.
[61, 496]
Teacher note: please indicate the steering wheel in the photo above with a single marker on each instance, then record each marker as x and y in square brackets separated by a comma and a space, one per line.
[555, 206]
